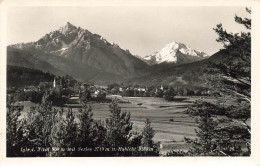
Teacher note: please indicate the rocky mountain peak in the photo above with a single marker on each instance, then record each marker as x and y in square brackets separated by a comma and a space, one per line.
[175, 52]
[68, 28]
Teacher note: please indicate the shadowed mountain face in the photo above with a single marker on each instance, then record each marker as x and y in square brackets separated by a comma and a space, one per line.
[73, 50]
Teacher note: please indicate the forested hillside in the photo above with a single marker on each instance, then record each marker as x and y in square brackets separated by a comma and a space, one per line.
[20, 76]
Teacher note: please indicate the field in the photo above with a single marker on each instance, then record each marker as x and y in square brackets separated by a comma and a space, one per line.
[168, 119]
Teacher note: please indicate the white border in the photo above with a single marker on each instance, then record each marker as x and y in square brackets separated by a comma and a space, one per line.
[158, 161]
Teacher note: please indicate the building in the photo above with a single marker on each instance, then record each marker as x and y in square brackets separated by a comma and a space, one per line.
[161, 88]
[54, 83]
[141, 89]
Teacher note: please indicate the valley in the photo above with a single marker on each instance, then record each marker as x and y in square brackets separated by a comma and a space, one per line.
[168, 119]
[72, 89]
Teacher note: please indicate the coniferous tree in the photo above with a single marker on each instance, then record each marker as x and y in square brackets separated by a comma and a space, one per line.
[148, 134]
[64, 133]
[14, 133]
[53, 132]
[147, 140]
[223, 128]
[86, 137]
[232, 74]
[118, 126]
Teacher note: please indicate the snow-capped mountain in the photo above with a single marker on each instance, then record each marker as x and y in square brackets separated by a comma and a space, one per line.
[77, 51]
[89, 57]
[175, 52]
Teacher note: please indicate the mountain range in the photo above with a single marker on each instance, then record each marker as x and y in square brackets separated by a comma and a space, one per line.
[89, 57]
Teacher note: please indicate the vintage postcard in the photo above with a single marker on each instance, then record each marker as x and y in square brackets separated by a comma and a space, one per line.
[160, 79]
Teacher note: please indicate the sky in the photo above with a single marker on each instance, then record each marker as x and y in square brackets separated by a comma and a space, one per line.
[143, 30]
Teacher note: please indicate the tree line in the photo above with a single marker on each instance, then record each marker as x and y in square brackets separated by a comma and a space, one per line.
[20, 76]
[44, 129]
[167, 92]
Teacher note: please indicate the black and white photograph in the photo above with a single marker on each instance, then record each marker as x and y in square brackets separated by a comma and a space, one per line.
[128, 81]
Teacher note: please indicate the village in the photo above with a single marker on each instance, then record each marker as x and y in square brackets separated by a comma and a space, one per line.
[66, 91]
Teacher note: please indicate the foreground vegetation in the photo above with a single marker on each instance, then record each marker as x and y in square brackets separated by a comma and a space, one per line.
[47, 131]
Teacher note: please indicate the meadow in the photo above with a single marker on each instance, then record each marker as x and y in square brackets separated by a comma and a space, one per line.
[168, 119]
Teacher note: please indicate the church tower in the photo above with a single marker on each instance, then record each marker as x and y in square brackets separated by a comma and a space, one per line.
[54, 83]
